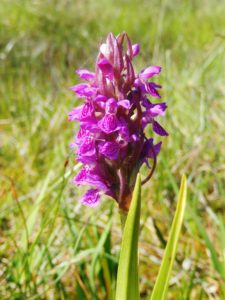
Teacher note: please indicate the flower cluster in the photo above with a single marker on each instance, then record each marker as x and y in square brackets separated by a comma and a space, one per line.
[111, 143]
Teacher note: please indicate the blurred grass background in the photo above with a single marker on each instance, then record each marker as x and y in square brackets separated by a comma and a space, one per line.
[50, 246]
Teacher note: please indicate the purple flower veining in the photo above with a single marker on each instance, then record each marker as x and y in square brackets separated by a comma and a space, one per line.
[118, 106]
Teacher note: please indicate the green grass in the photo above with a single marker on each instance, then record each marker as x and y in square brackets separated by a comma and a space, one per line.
[50, 247]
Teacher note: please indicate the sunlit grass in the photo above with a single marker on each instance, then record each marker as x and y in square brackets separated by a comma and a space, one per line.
[48, 242]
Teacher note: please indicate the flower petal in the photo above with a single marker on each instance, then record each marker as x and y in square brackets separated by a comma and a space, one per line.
[150, 72]
[83, 90]
[75, 113]
[81, 113]
[111, 106]
[85, 74]
[157, 128]
[125, 103]
[82, 133]
[79, 87]
[154, 110]
[123, 135]
[101, 98]
[91, 176]
[86, 152]
[151, 153]
[91, 198]
[109, 149]
[158, 109]
[109, 123]
[87, 147]
[150, 88]
[106, 67]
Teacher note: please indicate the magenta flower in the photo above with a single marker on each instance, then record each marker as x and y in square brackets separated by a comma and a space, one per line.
[118, 106]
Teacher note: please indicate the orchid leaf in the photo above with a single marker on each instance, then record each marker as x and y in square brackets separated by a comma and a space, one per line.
[127, 277]
[162, 281]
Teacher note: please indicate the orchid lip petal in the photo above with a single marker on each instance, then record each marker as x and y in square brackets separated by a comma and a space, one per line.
[109, 149]
[85, 74]
[79, 87]
[84, 90]
[91, 176]
[75, 113]
[109, 123]
[106, 67]
[125, 103]
[91, 198]
[150, 72]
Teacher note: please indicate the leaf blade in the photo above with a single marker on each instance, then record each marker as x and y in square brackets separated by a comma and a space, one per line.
[127, 287]
[162, 281]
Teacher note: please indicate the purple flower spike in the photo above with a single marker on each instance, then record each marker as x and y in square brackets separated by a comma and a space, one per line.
[118, 106]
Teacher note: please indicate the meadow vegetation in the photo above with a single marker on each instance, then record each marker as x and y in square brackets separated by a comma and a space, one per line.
[51, 247]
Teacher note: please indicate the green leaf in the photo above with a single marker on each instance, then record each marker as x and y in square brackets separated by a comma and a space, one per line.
[127, 277]
[162, 281]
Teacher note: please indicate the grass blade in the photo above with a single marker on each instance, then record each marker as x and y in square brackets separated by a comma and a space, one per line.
[99, 251]
[127, 277]
[218, 265]
[162, 281]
